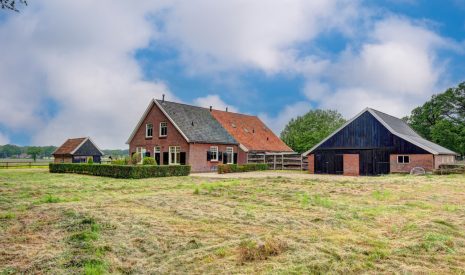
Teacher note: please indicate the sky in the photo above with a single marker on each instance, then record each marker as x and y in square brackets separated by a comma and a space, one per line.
[90, 68]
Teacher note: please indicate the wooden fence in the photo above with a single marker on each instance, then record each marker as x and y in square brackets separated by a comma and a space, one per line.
[280, 161]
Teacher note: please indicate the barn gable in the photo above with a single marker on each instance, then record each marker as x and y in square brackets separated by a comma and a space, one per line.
[374, 129]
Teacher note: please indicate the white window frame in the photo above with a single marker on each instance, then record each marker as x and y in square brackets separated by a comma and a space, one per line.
[230, 151]
[156, 149]
[147, 130]
[403, 159]
[163, 124]
[177, 155]
[215, 150]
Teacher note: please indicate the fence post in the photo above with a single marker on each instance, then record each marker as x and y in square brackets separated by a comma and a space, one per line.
[30, 164]
[274, 162]
[7, 165]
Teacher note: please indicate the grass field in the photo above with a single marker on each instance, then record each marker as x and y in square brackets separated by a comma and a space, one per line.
[63, 223]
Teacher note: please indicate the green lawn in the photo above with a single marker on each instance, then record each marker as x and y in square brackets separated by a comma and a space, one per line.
[64, 223]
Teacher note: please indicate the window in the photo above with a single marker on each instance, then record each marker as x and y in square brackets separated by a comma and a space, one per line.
[214, 153]
[175, 155]
[229, 155]
[403, 159]
[163, 129]
[157, 149]
[149, 130]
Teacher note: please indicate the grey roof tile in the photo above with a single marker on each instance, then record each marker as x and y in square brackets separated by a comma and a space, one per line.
[197, 123]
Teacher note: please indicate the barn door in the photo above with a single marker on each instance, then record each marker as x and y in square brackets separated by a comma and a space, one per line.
[339, 164]
[367, 165]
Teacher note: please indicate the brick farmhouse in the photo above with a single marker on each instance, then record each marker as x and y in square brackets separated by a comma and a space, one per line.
[175, 133]
[374, 143]
[77, 150]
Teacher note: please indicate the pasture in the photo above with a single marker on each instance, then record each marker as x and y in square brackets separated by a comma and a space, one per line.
[281, 224]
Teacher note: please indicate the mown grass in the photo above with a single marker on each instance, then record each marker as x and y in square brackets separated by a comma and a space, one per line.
[66, 224]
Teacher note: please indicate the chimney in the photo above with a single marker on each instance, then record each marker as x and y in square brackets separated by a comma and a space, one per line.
[226, 109]
[211, 108]
[163, 98]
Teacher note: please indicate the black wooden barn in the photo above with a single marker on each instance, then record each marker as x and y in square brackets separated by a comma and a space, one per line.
[375, 143]
[77, 150]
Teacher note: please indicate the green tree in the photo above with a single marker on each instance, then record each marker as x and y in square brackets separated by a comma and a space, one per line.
[10, 150]
[304, 132]
[442, 119]
[34, 151]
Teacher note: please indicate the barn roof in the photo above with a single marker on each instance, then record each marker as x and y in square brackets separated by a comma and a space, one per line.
[397, 127]
[72, 145]
[250, 132]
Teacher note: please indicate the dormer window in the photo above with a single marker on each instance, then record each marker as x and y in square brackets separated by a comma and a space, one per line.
[148, 130]
[163, 129]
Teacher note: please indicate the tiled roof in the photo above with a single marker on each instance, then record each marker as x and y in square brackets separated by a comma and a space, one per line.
[69, 146]
[196, 123]
[251, 132]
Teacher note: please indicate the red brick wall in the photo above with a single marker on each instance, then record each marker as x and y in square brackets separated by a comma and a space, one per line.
[241, 156]
[311, 164]
[174, 138]
[351, 164]
[198, 156]
[425, 161]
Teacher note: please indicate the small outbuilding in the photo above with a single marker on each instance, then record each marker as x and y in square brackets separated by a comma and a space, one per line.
[77, 150]
[375, 143]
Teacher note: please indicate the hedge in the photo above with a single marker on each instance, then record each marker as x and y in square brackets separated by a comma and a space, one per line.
[121, 171]
[234, 168]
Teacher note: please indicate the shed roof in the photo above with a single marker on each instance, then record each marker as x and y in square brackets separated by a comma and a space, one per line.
[397, 127]
[72, 145]
[250, 132]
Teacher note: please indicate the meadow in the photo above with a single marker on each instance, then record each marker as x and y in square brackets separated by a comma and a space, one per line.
[65, 223]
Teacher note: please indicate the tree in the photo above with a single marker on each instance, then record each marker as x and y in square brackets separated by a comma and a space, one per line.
[10, 150]
[34, 151]
[304, 132]
[442, 119]
[11, 4]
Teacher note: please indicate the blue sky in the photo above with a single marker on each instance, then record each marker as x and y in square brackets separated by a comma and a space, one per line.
[80, 68]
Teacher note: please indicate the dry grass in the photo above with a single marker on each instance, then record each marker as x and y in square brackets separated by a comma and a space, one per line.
[63, 223]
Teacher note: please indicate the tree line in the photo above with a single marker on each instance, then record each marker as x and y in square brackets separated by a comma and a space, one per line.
[35, 152]
[440, 120]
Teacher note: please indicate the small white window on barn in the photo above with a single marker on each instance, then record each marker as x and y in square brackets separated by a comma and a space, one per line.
[403, 159]
[214, 153]
[149, 130]
[163, 129]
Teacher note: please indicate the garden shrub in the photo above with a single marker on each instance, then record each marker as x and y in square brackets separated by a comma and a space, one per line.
[90, 160]
[124, 161]
[234, 168]
[135, 159]
[149, 161]
[121, 171]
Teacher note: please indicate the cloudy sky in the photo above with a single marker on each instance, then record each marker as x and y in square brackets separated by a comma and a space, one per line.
[89, 68]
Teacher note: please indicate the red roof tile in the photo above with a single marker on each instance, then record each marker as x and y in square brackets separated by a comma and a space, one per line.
[251, 132]
[69, 146]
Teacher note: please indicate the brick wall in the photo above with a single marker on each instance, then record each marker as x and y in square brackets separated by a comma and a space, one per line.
[174, 138]
[198, 156]
[241, 156]
[425, 161]
[62, 159]
[311, 164]
[351, 164]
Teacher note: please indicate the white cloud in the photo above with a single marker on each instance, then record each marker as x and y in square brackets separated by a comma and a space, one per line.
[396, 69]
[4, 139]
[215, 101]
[218, 35]
[278, 122]
[78, 55]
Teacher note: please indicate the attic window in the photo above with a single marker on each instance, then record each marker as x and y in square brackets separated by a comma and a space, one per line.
[192, 123]
[267, 138]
